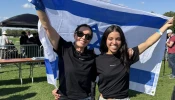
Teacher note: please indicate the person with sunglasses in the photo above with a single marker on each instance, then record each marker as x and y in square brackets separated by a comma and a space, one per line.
[77, 69]
[113, 64]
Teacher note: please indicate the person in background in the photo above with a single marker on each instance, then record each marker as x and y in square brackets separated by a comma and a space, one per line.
[171, 52]
[3, 41]
[30, 38]
[36, 39]
[23, 42]
[113, 64]
[23, 38]
[29, 34]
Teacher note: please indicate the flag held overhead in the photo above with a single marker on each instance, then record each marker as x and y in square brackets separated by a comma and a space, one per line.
[66, 15]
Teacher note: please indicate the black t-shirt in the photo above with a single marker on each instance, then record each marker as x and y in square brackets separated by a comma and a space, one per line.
[23, 39]
[76, 71]
[113, 76]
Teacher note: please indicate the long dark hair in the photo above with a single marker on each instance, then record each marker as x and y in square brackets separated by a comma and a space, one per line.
[122, 52]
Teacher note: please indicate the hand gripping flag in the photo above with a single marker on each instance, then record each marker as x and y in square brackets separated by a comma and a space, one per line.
[137, 25]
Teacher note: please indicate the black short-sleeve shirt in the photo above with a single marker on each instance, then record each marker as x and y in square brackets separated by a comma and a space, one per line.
[76, 70]
[113, 76]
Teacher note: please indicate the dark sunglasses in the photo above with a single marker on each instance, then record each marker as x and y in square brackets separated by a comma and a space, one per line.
[81, 34]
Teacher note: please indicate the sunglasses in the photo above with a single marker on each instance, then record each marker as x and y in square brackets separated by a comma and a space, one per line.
[81, 34]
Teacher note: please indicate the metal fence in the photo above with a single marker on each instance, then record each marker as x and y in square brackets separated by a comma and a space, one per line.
[20, 51]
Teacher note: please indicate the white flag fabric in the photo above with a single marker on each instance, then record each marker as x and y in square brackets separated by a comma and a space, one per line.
[66, 15]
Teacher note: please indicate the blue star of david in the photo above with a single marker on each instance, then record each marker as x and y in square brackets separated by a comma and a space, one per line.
[98, 33]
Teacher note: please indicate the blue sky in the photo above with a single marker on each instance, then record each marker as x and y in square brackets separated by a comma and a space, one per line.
[157, 6]
[11, 8]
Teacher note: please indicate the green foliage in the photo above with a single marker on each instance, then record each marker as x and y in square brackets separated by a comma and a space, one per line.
[17, 33]
[171, 14]
[15, 40]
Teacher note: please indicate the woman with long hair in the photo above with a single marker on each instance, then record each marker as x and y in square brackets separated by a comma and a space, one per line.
[113, 64]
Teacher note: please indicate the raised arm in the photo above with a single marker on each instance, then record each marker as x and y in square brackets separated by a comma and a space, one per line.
[51, 32]
[155, 37]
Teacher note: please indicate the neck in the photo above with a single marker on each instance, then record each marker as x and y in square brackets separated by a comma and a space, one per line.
[81, 50]
[108, 52]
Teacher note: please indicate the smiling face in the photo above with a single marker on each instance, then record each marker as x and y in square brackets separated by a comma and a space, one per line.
[113, 42]
[82, 42]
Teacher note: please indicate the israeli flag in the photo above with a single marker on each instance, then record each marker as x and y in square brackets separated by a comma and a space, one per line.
[51, 58]
[66, 15]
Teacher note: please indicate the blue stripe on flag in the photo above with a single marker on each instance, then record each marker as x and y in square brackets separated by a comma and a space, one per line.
[52, 67]
[100, 18]
[141, 76]
[38, 4]
[106, 15]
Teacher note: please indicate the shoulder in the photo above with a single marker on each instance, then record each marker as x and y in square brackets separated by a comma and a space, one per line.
[91, 52]
[4, 37]
[135, 56]
[68, 44]
[64, 42]
[136, 50]
[173, 37]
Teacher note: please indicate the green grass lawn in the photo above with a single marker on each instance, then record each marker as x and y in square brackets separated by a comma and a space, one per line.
[15, 40]
[11, 89]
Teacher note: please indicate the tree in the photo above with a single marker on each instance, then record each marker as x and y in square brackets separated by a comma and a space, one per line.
[171, 14]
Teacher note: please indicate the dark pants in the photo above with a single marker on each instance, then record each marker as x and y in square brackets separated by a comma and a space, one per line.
[91, 97]
[65, 98]
[62, 97]
[171, 61]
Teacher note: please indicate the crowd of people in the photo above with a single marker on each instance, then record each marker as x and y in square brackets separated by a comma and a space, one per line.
[79, 66]
[7, 47]
[26, 41]
[28, 38]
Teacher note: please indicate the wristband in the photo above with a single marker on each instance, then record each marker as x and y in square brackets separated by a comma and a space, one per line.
[159, 32]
